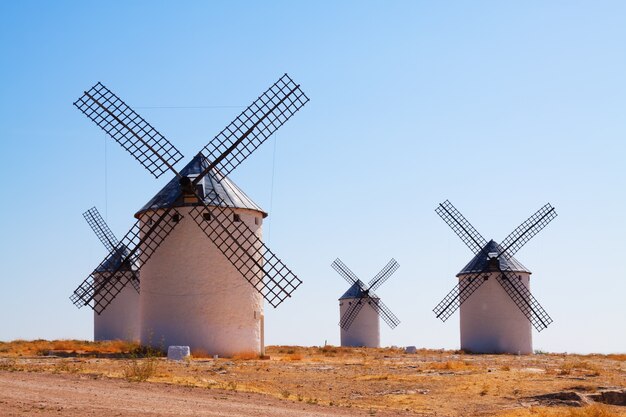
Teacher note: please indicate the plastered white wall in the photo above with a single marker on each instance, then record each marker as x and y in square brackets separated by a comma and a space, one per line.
[191, 295]
[364, 330]
[492, 323]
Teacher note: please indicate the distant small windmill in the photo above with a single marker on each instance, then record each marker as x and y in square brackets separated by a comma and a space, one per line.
[192, 292]
[120, 321]
[498, 318]
[361, 326]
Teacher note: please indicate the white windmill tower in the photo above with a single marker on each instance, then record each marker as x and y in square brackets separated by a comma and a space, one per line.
[360, 308]
[120, 321]
[497, 317]
[192, 291]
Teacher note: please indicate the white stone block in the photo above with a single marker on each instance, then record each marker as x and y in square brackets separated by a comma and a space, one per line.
[178, 353]
[410, 349]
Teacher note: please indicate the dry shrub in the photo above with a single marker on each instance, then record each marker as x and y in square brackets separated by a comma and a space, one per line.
[294, 357]
[449, 365]
[42, 347]
[595, 410]
[617, 356]
[568, 367]
[246, 356]
[200, 353]
[139, 370]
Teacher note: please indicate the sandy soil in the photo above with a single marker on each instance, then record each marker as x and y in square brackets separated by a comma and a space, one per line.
[84, 395]
[82, 378]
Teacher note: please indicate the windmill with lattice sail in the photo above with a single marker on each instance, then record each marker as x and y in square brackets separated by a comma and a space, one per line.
[493, 292]
[360, 308]
[119, 321]
[200, 235]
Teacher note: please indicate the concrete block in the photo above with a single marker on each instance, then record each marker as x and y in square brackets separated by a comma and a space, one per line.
[178, 353]
[410, 349]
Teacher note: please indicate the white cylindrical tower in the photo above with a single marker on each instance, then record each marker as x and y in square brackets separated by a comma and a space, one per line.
[191, 294]
[491, 322]
[365, 329]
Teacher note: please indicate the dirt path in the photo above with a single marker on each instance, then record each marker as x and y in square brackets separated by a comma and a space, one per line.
[82, 395]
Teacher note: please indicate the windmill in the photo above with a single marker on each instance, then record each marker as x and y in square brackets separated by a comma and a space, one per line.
[497, 317]
[193, 293]
[120, 319]
[361, 326]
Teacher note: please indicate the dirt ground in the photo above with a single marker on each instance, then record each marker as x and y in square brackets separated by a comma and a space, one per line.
[87, 395]
[325, 381]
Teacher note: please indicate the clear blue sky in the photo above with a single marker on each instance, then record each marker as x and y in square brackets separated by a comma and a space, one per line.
[498, 106]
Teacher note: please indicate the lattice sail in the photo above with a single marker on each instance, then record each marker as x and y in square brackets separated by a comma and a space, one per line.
[384, 312]
[461, 226]
[138, 245]
[129, 129]
[351, 313]
[101, 229]
[246, 252]
[383, 275]
[458, 295]
[254, 125]
[344, 271]
[526, 302]
[524, 232]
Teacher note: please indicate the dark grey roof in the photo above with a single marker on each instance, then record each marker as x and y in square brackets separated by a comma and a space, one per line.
[354, 291]
[211, 183]
[114, 260]
[479, 263]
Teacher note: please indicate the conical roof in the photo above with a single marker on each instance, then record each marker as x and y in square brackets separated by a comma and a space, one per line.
[211, 184]
[479, 262]
[354, 291]
[114, 261]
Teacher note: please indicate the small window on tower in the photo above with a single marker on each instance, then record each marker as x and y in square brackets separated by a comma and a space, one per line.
[206, 216]
[236, 217]
[258, 220]
[175, 218]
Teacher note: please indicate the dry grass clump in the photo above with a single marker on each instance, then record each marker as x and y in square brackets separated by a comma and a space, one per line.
[139, 370]
[568, 367]
[42, 347]
[595, 410]
[450, 365]
[245, 356]
[200, 354]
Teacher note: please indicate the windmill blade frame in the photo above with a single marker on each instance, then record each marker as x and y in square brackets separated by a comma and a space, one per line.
[228, 235]
[129, 129]
[353, 311]
[141, 245]
[253, 126]
[383, 311]
[101, 229]
[461, 226]
[527, 230]
[458, 295]
[343, 270]
[384, 274]
[523, 298]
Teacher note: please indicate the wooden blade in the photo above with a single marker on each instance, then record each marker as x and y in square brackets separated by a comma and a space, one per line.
[129, 129]
[253, 126]
[463, 228]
